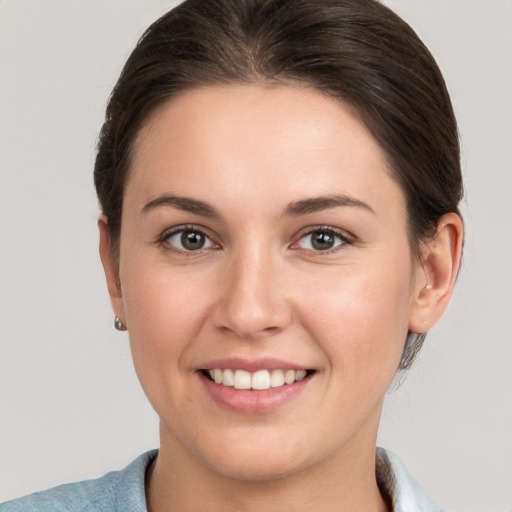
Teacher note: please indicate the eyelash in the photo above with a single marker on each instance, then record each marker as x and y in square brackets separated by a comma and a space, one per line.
[164, 240]
[336, 233]
[343, 237]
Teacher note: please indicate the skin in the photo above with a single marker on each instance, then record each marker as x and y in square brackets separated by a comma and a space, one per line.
[260, 289]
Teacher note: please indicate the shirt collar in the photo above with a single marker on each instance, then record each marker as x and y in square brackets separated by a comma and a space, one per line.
[400, 486]
[130, 492]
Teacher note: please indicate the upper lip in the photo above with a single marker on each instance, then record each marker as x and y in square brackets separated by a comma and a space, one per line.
[252, 365]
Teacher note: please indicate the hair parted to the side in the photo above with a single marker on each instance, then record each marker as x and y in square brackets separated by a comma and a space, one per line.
[357, 51]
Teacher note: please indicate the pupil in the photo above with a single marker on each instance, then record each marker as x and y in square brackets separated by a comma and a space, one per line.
[192, 240]
[322, 241]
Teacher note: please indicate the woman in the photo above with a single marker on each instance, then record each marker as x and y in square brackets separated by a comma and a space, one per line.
[279, 184]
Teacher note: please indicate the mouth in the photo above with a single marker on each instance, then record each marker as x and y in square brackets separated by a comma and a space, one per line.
[255, 386]
[259, 380]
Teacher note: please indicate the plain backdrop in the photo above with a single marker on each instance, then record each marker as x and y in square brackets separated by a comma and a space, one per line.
[70, 405]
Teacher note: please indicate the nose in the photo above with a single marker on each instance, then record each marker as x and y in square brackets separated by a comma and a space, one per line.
[252, 300]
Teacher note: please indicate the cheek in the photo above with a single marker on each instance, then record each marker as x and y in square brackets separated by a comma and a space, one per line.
[164, 311]
[360, 318]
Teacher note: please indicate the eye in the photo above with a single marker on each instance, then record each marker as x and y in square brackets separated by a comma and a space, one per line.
[189, 240]
[322, 239]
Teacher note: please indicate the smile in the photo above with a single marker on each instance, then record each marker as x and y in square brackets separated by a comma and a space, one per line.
[258, 380]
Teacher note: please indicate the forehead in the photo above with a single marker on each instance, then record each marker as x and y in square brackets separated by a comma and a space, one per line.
[251, 141]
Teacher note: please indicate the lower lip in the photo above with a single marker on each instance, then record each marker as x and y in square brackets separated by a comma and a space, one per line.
[253, 401]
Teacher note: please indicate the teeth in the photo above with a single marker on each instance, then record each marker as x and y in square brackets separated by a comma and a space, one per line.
[289, 377]
[300, 374]
[260, 380]
[242, 379]
[277, 379]
[228, 378]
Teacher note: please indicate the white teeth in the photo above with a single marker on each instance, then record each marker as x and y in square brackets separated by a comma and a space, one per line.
[259, 380]
[300, 374]
[228, 378]
[242, 379]
[289, 377]
[277, 379]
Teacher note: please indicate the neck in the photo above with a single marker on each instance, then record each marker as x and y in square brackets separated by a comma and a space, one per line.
[344, 482]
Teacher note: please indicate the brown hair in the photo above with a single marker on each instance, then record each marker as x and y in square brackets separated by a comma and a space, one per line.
[357, 51]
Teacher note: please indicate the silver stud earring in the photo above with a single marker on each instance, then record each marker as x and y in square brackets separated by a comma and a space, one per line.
[119, 325]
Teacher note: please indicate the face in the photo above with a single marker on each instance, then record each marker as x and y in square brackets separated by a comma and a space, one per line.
[266, 278]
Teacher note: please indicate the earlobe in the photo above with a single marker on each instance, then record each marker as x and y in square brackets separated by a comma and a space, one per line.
[436, 274]
[111, 268]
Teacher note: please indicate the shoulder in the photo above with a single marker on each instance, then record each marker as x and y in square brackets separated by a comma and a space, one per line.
[404, 492]
[118, 490]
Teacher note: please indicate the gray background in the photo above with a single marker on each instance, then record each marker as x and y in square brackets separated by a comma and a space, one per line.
[70, 405]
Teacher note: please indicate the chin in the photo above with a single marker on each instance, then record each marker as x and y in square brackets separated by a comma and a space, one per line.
[262, 470]
[253, 458]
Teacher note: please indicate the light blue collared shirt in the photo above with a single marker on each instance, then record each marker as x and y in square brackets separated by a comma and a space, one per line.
[123, 491]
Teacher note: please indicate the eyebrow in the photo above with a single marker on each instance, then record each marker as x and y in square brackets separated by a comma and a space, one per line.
[294, 209]
[186, 204]
[316, 204]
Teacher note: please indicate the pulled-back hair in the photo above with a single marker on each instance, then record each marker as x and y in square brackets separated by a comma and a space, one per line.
[357, 51]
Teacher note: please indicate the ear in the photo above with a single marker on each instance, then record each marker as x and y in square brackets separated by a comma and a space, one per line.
[111, 268]
[436, 273]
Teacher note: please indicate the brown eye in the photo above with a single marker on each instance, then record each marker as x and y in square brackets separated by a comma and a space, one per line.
[189, 240]
[192, 240]
[321, 240]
